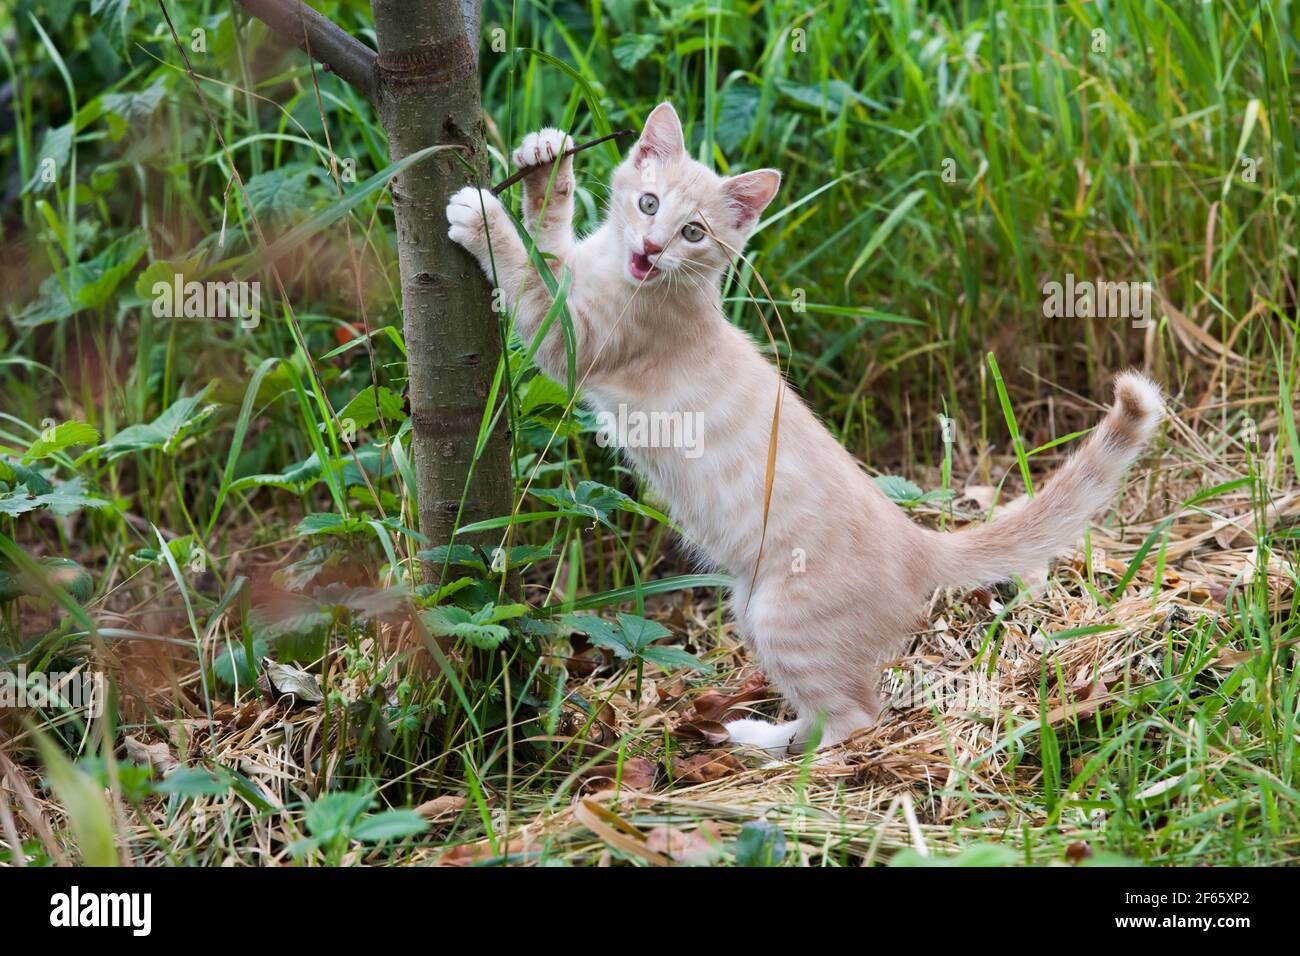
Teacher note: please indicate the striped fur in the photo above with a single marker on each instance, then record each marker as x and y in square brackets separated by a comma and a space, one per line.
[845, 574]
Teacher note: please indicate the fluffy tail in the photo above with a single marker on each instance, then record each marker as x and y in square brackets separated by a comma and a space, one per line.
[1054, 519]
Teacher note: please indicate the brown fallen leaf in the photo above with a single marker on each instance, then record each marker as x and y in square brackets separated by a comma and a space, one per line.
[157, 755]
[714, 706]
[697, 847]
[447, 805]
[708, 731]
[616, 832]
[706, 767]
[638, 773]
[467, 854]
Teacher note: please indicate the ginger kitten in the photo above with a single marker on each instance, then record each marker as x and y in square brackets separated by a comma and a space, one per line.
[845, 574]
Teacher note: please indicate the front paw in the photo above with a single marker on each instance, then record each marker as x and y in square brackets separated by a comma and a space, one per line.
[465, 217]
[541, 148]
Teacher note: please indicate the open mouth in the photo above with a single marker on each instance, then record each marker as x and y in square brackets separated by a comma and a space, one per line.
[641, 267]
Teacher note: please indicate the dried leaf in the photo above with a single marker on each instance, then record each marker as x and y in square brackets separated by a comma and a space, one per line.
[706, 767]
[467, 854]
[713, 706]
[289, 681]
[616, 831]
[446, 806]
[158, 755]
[638, 773]
[698, 847]
[708, 731]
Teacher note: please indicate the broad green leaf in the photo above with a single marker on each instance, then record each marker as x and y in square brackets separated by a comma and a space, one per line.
[450, 621]
[64, 500]
[59, 437]
[363, 411]
[631, 48]
[165, 433]
[389, 825]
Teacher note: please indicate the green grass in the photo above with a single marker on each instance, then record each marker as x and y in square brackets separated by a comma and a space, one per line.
[942, 162]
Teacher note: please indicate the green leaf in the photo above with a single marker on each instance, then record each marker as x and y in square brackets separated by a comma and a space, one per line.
[96, 279]
[333, 814]
[291, 615]
[389, 825]
[120, 110]
[601, 632]
[165, 270]
[671, 658]
[363, 412]
[760, 843]
[194, 782]
[898, 488]
[646, 589]
[59, 437]
[450, 621]
[56, 146]
[541, 392]
[233, 663]
[296, 478]
[64, 500]
[90, 284]
[640, 633]
[114, 18]
[591, 499]
[737, 114]
[330, 523]
[284, 195]
[164, 433]
[631, 48]
[16, 474]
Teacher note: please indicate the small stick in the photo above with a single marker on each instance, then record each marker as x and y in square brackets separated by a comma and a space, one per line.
[513, 178]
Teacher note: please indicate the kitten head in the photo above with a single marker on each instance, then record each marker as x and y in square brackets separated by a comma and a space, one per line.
[675, 216]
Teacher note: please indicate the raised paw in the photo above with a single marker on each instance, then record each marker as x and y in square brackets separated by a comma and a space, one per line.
[541, 147]
[465, 216]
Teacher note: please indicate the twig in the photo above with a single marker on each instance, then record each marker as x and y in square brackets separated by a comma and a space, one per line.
[329, 44]
[514, 177]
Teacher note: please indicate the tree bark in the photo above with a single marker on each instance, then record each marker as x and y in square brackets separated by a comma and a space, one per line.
[425, 85]
[429, 93]
[329, 43]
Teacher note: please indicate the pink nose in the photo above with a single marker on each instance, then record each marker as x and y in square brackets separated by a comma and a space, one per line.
[652, 248]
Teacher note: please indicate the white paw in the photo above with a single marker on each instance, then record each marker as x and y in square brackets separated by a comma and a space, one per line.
[775, 739]
[541, 147]
[465, 216]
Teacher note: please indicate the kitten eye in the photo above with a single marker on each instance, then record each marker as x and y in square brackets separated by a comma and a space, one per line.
[649, 203]
[692, 232]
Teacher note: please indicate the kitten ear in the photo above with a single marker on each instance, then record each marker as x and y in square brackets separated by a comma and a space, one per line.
[749, 193]
[662, 137]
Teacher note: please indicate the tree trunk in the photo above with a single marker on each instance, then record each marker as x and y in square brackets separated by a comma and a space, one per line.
[425, 85]
[428, 92]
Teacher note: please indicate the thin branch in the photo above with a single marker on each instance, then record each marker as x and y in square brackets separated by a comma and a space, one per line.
[514, 177]
[330, 45]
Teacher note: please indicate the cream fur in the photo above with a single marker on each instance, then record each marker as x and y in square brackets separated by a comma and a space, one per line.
[821, 627]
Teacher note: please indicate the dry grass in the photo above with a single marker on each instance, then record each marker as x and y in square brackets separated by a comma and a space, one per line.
[996, 680]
